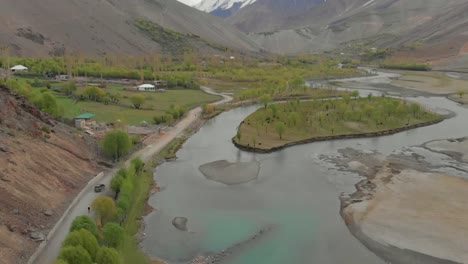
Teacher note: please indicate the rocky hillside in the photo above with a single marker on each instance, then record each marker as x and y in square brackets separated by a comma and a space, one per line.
[109, 27]
[270, 15]
[43, 165]
[283, 26]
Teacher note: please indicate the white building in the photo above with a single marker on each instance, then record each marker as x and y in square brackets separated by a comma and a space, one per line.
[19, 68]
[146, 88]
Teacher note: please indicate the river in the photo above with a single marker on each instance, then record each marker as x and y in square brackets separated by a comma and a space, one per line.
[295, 196]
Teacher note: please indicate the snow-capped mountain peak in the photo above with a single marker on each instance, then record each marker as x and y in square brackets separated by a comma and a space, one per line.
[213, 5]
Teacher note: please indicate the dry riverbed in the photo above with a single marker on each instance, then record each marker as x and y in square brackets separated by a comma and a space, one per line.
[410, 208]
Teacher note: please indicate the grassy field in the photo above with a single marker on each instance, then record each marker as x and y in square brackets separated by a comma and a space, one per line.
[155, 104]
[281, 124]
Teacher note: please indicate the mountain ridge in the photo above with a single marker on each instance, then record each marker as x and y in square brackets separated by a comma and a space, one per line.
[327, 25]
[223, 8]
[107, 27]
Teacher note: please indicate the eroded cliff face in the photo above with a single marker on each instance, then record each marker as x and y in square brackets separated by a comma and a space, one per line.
[43, 165]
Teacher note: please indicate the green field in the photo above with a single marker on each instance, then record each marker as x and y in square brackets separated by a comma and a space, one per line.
[156, 104]
[280, 124]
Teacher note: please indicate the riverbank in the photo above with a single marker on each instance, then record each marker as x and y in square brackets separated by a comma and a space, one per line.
[457, 99]
[293, 123]
[145, 186]
[409, 208]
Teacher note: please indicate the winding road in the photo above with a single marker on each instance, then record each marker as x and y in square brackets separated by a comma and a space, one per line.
[48, 251]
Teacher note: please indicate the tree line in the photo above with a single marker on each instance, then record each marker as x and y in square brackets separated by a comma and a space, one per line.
[99, 240]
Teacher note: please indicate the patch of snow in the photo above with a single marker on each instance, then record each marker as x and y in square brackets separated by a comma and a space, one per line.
[211, 5]
[368, 3]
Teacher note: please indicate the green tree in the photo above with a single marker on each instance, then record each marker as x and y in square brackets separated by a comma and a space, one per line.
[265, 100]
[107, 255]
[113, 235]
[115, 98]
[169, 119]
[84, 222]
[116, 184]
[94, 93]
[106, 100]
[298, 82]
[280, 129]
[415, 108]
[69, 88]
[355, 94]
[116, 144]
[274, 110]
[138, 164]
[82, 238]
[60, 261]
[49, 104]
[346, 98]
[137, 100]
[105, 209]
[75, 255]
[461, 93]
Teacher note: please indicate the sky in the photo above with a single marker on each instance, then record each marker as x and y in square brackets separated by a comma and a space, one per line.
[190, 2]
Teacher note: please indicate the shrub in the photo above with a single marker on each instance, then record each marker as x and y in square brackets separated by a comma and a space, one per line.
[82, 238]
[138, 164]
[407, 66]
[84, 222]
[75, 255]
[113, 235]
[107, 255]
[105, 209]
[160, 119]
[137, 101]
[116, 144]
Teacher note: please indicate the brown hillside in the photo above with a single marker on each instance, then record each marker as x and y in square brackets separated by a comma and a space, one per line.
[43, 165]
[48, 27]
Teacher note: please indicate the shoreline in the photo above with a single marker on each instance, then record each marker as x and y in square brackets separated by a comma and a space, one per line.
[336, 137]
[400, 184]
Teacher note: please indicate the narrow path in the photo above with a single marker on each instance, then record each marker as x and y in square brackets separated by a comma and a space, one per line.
[48, 251]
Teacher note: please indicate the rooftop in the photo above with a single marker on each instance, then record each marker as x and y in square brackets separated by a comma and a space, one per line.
[85, 116]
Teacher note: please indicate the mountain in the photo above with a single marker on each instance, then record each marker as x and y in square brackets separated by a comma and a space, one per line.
[269, 15]
[112, 26]
[223, 8]
[43, 166]
[437, 28]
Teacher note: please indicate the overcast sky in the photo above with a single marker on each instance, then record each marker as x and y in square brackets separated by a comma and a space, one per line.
[190, 2]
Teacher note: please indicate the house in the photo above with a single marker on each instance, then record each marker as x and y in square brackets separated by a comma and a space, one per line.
[62, 77]
[160, 83]
[19, 68]
[146, 88]
[85, 121]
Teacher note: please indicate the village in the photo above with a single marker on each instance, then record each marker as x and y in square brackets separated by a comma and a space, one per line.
[97, 106]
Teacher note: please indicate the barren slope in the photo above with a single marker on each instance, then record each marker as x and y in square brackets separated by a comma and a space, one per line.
[440, 25]
[107, 26]
[43, 165]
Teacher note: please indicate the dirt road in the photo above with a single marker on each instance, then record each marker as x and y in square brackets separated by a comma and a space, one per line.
[48, 251]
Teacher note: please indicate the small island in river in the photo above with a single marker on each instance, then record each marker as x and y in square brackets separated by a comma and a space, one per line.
[276, 126]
